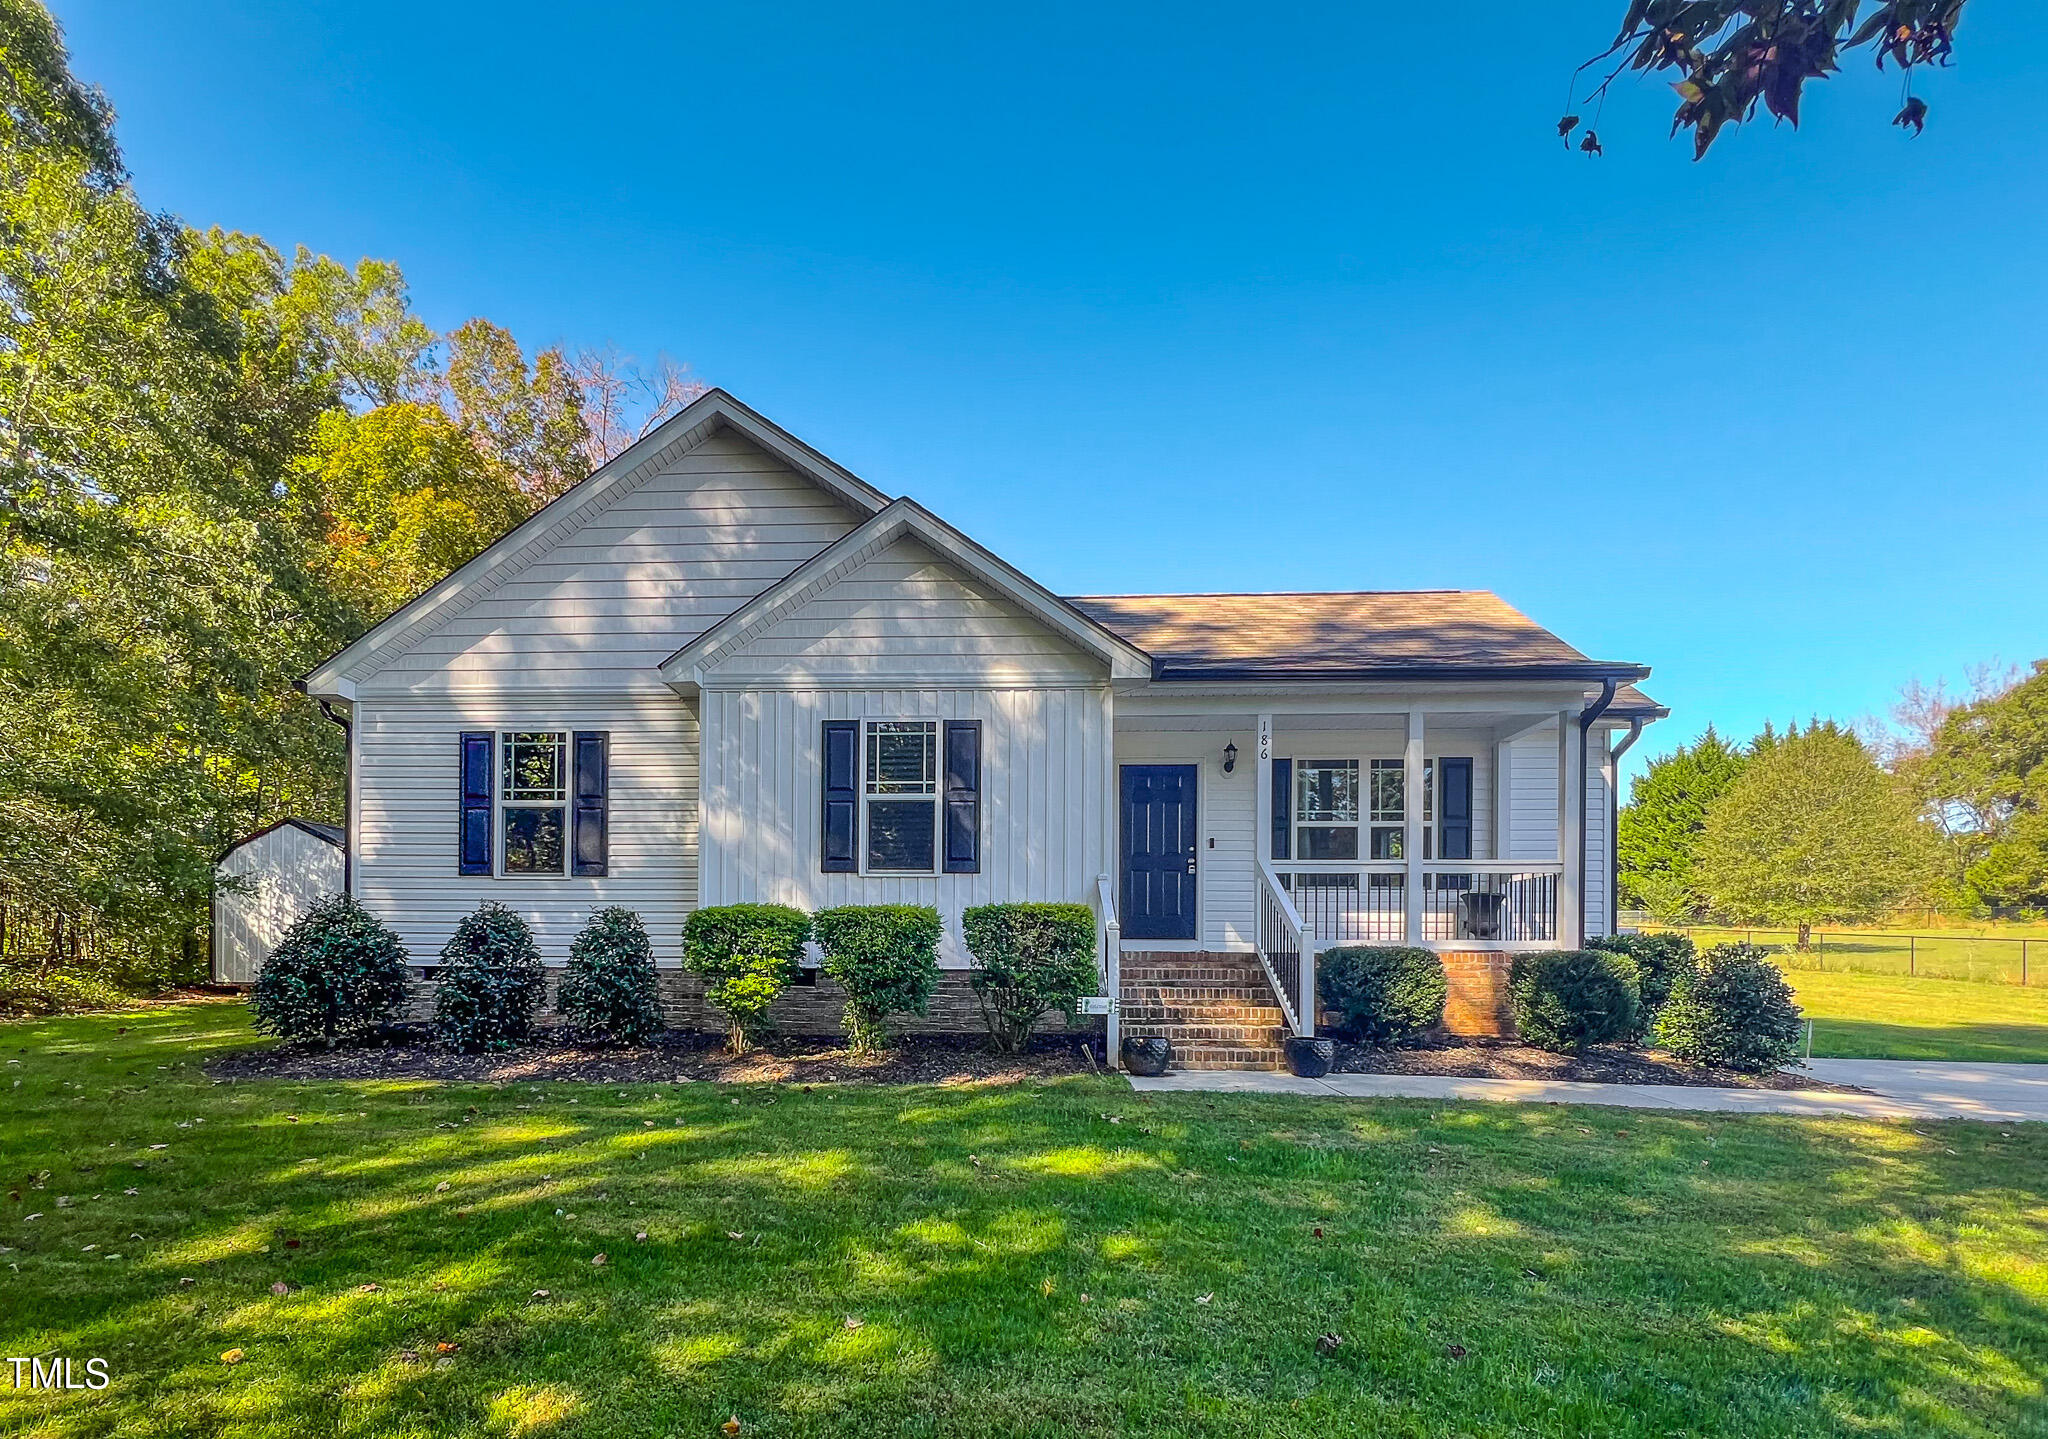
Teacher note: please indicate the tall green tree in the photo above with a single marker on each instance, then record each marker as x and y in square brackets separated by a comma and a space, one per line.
[1812, 832]
[528, 418]
[1988, 766]
[1660, 829]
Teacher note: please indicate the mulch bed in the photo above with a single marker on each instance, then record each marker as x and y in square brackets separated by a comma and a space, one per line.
[1480, 1058]
[676, 1057]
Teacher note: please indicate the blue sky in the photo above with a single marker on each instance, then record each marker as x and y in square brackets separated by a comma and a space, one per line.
[1196, 297]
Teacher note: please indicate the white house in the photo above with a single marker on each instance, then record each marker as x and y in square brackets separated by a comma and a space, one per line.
[274, 876]
[723, 668]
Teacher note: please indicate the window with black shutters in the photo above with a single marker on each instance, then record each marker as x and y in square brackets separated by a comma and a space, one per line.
[900, 796]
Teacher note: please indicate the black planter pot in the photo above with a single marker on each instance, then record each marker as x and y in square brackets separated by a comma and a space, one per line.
[1310, 1058]
[1146, 1055]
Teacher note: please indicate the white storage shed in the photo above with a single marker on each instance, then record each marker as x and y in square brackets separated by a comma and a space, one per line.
[289, 867]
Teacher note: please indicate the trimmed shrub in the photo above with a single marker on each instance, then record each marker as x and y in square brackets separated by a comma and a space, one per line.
[1734, 1010]
[609, 988]
[1381, 994]
[746, 954]
[1660, 957]
[491, 983]
[1567, 999]
[886, 958]
[338, 971]
[1029, 960]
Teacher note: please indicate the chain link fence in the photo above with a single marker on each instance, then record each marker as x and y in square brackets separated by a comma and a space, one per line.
[1987, 959]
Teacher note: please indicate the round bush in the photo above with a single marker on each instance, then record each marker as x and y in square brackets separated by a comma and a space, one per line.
[1567, 999]
[608, 990]
[1029, 960]
[886, 958]
[492, 981]
[1381, 995]
[338, 971]
[1660, 957]
[1733, 1011]
[746, 954]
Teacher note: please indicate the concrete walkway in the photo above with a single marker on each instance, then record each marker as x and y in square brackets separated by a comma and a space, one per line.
[1900, 1089]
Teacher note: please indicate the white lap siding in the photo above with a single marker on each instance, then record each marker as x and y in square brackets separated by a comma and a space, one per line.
[1044, 789]
[408, 799]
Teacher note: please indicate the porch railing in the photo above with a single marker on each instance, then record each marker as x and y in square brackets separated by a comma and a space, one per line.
[1477, 901]
[1109, 947]
[1287, 952]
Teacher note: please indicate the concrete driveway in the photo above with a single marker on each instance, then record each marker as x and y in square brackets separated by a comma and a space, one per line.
[1900, 1089]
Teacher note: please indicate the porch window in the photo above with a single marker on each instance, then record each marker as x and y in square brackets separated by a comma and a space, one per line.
[533, 798]
[900, 796]
[1326, 809]
[1389, 807]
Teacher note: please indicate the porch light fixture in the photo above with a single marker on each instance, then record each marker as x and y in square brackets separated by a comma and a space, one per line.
[1229, 758]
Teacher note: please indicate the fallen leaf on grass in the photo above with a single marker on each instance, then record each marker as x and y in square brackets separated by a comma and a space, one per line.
[598, 1261]
[187, 1282]
[1329, 1343]
[280, 1288]
[444, 1347]
[853, 1323]
[125, 1191]
[540, 1295]
[731, 1426]
[1457, 1351]
[1203, 1298]
[734, 1234]
[641, 1237]
[232, 1356]
[441, 1188]
[369, 1288]
[291, 1244]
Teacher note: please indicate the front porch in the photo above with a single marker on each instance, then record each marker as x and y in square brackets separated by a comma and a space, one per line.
[1273, 835]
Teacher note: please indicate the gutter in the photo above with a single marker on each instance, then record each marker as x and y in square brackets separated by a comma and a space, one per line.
[1608, 675]
[1587, 715]
[1635, 732]
[348, 796]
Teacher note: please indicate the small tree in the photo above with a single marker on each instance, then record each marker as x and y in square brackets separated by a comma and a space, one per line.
[886, 958]
[492, 981]
[339, 970]
[609, 987]
[746, 954]
[1029, 960]
[1813, 832]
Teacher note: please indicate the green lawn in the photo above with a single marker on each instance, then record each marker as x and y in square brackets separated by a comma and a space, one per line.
[990, 1261]
[1863, 1016]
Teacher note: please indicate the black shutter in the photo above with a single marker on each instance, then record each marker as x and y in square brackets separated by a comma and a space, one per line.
[1283, 809]
[1454, 797]
[963, 796]
[841, 807]
[473, 844]
[590, 837]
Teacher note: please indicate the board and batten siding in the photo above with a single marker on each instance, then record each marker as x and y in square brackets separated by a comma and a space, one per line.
[598, 611]
[1531, 765]
[908, 612]
[284, 872]
[1045, 784]
[408, 800]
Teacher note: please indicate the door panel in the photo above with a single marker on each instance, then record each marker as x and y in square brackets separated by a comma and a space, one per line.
[1158, 851]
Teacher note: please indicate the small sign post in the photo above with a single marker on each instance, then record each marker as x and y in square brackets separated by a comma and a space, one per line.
[1095, 1004]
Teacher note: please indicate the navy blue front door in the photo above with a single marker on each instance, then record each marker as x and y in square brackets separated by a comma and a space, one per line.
[1158, 900]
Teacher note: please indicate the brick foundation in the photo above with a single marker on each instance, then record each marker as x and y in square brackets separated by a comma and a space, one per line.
[1477, 1003]
[802, 1009]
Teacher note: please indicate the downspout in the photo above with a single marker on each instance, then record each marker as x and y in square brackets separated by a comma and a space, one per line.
[1635, 732]
[1587, 715]
[348, 798]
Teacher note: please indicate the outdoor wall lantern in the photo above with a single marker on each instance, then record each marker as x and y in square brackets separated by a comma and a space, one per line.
[1229, 758]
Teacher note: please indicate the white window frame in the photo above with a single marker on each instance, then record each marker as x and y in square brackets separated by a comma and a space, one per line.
[501, 801]
[1303, 826]
[930, 794]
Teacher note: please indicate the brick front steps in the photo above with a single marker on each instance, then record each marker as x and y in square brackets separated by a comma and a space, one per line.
[1217, 1009]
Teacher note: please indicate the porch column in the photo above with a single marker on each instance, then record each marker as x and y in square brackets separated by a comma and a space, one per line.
[1571, 841]
[1262, 788]
[1411, 825]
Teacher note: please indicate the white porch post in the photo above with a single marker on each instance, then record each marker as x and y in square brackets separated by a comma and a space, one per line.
[1411, 827]
[1262, 787]
[1571, 843]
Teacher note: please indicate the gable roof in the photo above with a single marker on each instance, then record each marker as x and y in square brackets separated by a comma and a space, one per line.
[1361, 635]
[903, 517]
[709, 414]
[332, 834]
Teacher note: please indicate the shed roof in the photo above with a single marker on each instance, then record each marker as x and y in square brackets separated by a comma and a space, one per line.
[1362, 634]
[332, 834]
